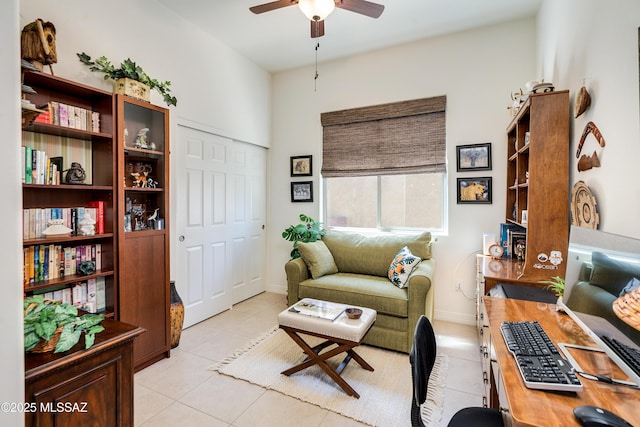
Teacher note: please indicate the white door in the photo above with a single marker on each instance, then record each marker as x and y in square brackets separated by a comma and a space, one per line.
[219, 220]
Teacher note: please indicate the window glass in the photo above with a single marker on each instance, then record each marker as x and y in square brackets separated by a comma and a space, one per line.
[414, 201]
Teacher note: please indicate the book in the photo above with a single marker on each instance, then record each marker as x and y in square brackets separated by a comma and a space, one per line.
[316, 308]
[100, 294]
[99, 215]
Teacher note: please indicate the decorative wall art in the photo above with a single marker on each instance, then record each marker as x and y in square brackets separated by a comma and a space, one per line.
[301, 165]
[586, 161]
[473, 157]
[474, 190]
[302, 191]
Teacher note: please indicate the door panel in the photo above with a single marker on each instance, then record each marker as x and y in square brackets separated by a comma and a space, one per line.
[220, 199]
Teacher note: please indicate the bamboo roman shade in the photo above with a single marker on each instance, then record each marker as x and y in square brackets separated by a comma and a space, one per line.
[397, 138]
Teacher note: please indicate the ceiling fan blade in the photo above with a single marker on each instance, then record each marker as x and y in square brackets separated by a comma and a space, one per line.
[363, 7]
[268, 7]
[317, 29]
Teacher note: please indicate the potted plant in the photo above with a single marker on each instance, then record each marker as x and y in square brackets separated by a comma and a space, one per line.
[129, 70]
[556, 285]
[53, 325]
[307, 231]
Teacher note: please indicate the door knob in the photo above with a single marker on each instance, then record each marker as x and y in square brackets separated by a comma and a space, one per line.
[181, 238]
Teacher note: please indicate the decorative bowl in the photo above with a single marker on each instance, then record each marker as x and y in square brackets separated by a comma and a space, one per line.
[353, 313]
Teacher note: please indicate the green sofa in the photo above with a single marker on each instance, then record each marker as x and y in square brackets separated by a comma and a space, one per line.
[354, 271]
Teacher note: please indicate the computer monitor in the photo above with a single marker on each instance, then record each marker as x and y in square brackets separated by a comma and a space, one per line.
[621, 250]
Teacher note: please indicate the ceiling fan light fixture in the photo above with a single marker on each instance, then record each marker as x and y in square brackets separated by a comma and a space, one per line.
[316, 10]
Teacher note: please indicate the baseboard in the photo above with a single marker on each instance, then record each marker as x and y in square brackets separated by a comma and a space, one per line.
[276, 289]
[449, 316]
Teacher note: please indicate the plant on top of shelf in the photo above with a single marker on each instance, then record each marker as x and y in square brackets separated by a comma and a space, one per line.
[48, 323]
[128, 69]
[308, 231]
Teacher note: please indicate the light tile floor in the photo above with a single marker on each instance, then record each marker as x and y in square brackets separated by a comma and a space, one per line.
[182, 391]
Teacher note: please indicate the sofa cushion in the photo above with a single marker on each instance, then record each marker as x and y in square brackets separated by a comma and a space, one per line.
[358, 289]
[611, 275]
[318, 258]
[356, 253]
[402, 266]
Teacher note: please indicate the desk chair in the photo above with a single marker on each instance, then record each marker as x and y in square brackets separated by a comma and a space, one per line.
[422, 357]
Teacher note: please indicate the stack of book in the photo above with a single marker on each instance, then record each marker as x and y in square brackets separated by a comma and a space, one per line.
[36, 220]
[513, 239]
[53, 261]
[88, 295]
[59, 114]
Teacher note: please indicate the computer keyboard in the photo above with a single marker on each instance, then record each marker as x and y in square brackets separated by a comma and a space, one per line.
[629, 355]
[541, 365]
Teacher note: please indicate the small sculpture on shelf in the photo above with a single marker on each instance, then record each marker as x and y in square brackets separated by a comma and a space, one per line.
[75, 174]
[152, 219]
[87, 225]
[141, 139]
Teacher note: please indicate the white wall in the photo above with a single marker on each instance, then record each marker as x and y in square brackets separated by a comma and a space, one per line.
[476, 70]
[597, 43]
[11, 349]
[214, 85]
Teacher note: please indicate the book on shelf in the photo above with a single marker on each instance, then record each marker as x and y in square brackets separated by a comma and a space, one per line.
[505, 239]
[98, 214]
[316, 308]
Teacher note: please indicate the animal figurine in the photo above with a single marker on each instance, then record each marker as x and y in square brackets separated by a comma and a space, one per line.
[141, 139]
[153, 218]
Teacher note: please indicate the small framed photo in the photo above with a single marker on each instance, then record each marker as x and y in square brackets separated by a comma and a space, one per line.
[302, 191]
[474, 190]
[474, 157]
[301, 165]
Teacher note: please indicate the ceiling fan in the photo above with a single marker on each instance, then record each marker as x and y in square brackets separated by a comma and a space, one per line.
[318, 10]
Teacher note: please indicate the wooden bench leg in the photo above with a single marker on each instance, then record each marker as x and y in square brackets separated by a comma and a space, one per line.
[315, 358]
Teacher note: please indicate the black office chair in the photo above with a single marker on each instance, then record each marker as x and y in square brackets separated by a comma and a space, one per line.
[422, 357]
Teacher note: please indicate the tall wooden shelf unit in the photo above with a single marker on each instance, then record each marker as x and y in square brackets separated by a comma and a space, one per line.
[538, 182]
[143, 212]
[74, 145]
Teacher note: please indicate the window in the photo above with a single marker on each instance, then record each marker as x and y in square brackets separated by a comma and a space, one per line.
[384, 166]
[386, 201]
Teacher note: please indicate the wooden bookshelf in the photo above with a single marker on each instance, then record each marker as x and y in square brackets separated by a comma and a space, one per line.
[94, 149]
[143, 231]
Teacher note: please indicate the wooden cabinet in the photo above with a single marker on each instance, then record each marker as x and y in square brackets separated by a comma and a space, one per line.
[538, 182]
[84, 387]
[143, 218]
[80, 130]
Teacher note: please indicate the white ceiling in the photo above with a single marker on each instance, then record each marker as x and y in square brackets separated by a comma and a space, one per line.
[280, 40]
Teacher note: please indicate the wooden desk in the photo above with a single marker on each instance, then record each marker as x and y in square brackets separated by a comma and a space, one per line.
[526, 407]
[80, 387]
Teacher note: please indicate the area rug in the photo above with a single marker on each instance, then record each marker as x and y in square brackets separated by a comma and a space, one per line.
[385, 394]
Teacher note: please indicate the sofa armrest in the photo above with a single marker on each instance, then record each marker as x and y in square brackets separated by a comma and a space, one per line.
[420, 289]
[297, 272]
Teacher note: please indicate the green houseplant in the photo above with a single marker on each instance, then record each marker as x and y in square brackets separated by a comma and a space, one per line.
[555, 285]
[44, 319]
[128, 69]
[307, 231]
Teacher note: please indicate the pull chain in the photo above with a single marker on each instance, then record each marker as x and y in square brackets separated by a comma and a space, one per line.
[315, 78]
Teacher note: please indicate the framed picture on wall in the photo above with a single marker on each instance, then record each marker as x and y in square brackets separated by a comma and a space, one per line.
[473, 157]
[301, 165]
[302, 191]
[474, 190]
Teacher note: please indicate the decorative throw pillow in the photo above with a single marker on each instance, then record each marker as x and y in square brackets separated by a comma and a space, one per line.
[402, 266]
[318, 258]
[630, 287]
